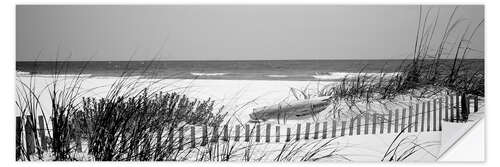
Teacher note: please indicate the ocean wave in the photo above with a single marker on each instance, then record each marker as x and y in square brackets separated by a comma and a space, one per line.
[22, 73]
[342, 75]
[207, 74]
[277, 76]
[51, 75]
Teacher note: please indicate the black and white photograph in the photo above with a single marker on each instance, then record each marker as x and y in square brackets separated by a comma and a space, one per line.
[247, 82]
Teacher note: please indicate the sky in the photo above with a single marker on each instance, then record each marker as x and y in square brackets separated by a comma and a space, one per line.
[230, 32]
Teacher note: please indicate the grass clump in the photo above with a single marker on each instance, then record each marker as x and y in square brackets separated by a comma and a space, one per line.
[143, 127]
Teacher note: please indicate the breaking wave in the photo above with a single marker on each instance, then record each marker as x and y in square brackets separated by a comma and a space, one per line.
[342, 75]
[207, 74]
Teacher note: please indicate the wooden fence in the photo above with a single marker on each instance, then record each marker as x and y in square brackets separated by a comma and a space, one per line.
[422, 117]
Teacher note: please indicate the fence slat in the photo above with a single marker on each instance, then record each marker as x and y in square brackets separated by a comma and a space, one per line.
[308, 127]
[181, 138]
[193, 137]
[316, 131]
[389, 122]
[422, 121]
[428, 116]
[434, 115]
[396, 121]
[358, 127]
[452, 109]
[237, 133]
[247, 133]
[476, 103]
[351, 127]
[410, 120]
[334, 128]
[417, 110]
[215, 134]
[457, 108]
[342, 131]
[403, 120]
[204, 136]
[382, 121]
[29, 135]
[277, 133]
[367, 123]
[297, 133]
[325, 129]
[226, 133]
[440, 113]
[374, 124]
[19, 127]
[257, 134]
[446, 107]
[43, 138]
[268, 133]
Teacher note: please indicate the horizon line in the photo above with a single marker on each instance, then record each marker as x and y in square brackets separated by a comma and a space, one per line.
[228, 60]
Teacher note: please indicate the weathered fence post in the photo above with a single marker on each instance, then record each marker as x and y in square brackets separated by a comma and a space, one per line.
[374, 124]
[422, 127]
[237, 133]
[428, 116]
[367, 123]
[458, 109]
[417, 109]
[382, 121]
[325, 129]
[78, 142]
[204, 135]
[297, 132]
[41, 132]
[316, 131]
[446, 117]
[181, 138]
[257, 134]
[351, 127]
[403, 120]
[277, 133]
[410, 120]
[19, 127]
[389, 122]
[226, 133]
[342, 131]
[452, 107]
[464, 107]
[440, 113]
[434, 115]
[29, 135]
[247, 133]
[268, 133]
[396, 121]
[334, 128]
[193, 137]
[358, 127]
[476, 103]
[215, 134]
[308, 127]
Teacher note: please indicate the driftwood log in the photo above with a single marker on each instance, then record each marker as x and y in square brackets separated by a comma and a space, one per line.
[291, 110]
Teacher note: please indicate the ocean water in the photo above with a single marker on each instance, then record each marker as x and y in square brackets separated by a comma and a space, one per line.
[230, 70]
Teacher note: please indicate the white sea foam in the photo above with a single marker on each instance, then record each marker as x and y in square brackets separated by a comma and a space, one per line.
[63, 75]
[207, 74]
[277, 76]
[22, 73]
[342, 75]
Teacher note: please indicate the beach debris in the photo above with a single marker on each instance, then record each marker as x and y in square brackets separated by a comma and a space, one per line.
[291, 110]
